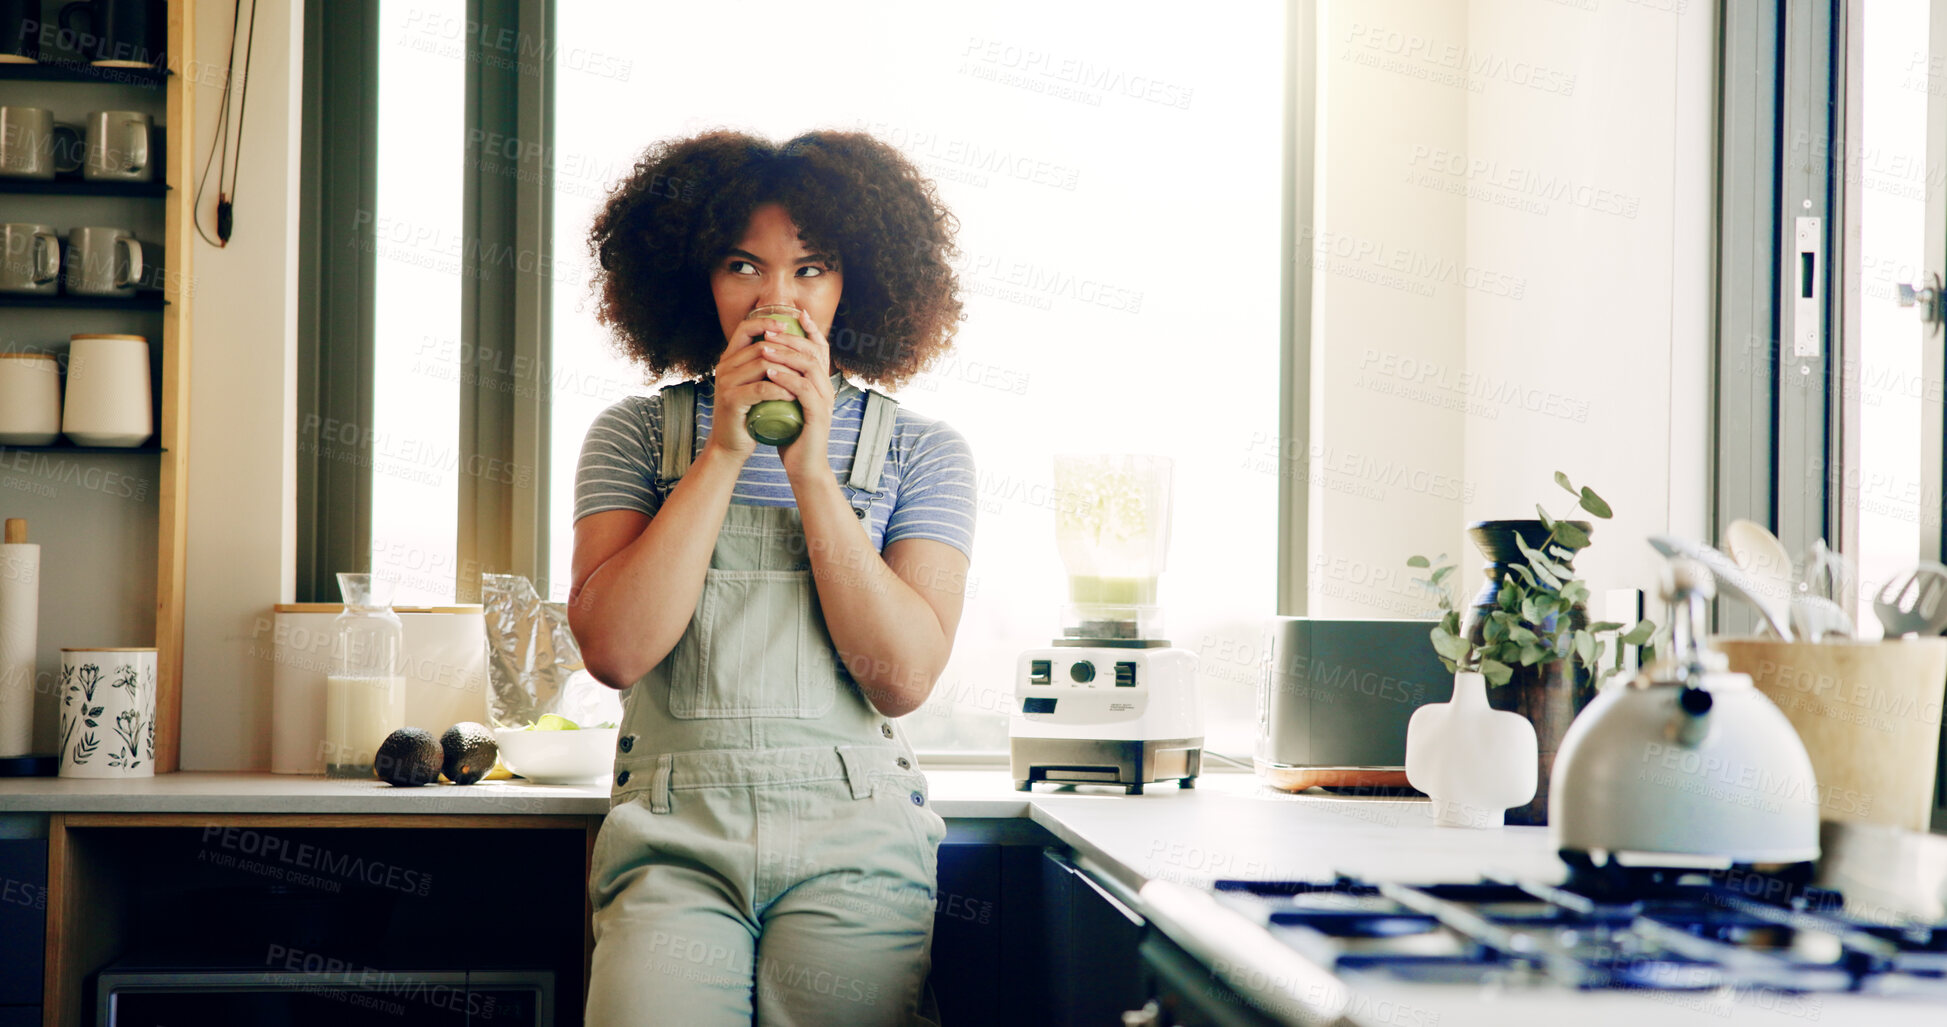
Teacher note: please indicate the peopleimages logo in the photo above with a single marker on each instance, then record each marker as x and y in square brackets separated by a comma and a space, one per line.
[1449, 64]
[1037, 64]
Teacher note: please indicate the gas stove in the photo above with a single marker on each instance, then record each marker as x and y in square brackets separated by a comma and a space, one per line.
[1666, 932]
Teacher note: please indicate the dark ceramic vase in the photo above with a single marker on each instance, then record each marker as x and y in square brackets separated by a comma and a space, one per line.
[1548, 694]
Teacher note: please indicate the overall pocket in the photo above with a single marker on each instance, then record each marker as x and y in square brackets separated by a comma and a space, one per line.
[760, 650]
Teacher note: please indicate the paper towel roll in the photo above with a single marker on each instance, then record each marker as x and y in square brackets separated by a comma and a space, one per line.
[20, 598]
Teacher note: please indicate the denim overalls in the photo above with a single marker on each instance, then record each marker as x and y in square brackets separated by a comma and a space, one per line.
[768, 852]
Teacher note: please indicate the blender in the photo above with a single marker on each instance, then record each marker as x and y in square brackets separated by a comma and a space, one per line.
[1110, 701]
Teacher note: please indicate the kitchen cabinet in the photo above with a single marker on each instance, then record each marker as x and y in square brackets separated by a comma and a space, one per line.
[96, 533]
[1186, 994]
[1023, 935]
[279, 891]
[23, 906]
[1094, 971]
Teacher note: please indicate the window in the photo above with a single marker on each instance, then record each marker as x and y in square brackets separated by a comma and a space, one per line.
[1894, 181]
[416, 224]
[1116, 169]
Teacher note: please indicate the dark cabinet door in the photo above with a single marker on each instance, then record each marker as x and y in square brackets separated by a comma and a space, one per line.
[23, 919]
[1187, 994]
[1095, 970]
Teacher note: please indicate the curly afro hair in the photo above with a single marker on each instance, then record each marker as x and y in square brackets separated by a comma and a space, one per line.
[688, 201]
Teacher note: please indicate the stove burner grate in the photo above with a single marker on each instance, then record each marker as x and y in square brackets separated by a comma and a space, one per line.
[1669, 932]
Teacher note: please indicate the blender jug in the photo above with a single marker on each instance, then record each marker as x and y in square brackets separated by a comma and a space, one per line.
[1112, 528]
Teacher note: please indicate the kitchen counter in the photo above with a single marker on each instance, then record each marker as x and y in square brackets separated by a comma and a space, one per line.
[1154, 852]
[1229, 826]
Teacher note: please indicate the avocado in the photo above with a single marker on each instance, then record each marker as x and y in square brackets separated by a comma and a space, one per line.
[408, 758]
[470, 752]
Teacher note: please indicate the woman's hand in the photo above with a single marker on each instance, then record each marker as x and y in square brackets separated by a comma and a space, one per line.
[743, 381]
[802, 366]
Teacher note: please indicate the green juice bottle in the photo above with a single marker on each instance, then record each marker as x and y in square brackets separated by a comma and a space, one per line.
[776, 422]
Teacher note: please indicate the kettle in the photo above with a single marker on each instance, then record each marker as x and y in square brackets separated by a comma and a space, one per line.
[1686, 762]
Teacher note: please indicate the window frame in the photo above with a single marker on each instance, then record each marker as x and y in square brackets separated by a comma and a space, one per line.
[506, 306]
[337, 271]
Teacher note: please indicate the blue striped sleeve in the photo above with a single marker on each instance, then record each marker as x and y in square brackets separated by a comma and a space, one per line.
[617, 470]
[936, 486]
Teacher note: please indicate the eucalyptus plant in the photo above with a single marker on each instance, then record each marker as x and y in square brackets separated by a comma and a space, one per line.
[1531, 622]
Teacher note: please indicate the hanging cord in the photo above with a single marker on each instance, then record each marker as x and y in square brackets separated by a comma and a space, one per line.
[226, 195]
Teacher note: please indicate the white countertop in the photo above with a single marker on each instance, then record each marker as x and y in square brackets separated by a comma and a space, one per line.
[1229, 826]
[205, 792]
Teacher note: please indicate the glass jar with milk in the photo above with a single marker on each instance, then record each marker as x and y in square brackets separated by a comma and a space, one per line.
[365, 695]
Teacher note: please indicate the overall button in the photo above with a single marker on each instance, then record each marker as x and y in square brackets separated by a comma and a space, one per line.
[918, 799]
[904, 763]
[886, 729]
[860, 511]
[628, 742]
[622, 778]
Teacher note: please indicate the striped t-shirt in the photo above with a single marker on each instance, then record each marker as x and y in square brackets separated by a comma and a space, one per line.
[928, 479]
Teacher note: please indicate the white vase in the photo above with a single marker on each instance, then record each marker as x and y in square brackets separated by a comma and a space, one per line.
[1472, 760]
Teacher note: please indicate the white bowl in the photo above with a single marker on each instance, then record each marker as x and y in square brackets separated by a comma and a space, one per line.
[558, 757]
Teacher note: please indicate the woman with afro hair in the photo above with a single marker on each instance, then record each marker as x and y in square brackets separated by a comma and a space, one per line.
[769, 854]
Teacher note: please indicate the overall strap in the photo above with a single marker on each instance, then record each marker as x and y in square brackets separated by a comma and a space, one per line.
[875, 441]
[679, 429]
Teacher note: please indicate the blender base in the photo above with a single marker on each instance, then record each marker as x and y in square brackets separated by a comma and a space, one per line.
[1101, 761]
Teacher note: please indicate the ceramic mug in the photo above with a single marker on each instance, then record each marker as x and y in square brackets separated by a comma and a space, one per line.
[34, 145]
[117, 33]
[108, 712]
[20, 31]
[117, 147]
[152, 277]
[30, 259]
[103, 262]
[30, 399]
[108, 402]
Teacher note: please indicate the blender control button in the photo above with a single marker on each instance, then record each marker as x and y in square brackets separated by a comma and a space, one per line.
[904, 763]
[1082, 671]
[886, 729]
[622, 778]
[1125, 674]
[1041, 672]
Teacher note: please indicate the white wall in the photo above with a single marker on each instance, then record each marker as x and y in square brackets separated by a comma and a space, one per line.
[242, 423]
[1415, 311]
[1384, 464]
[1580, 171]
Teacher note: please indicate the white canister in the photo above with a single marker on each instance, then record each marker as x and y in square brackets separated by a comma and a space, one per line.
[445, 672]
[30, 399]
[108, 402]
[108, 712]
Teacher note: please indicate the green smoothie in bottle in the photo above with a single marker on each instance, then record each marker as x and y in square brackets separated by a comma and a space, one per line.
[776, 422]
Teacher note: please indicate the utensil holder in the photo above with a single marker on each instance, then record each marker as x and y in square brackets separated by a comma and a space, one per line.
[1868, 713]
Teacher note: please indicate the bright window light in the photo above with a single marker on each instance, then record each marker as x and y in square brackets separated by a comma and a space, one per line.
[1116, 171]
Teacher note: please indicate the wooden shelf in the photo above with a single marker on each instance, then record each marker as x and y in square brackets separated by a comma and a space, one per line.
[75, 71]
[79, 187]
[149, 301]
[60, 447]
